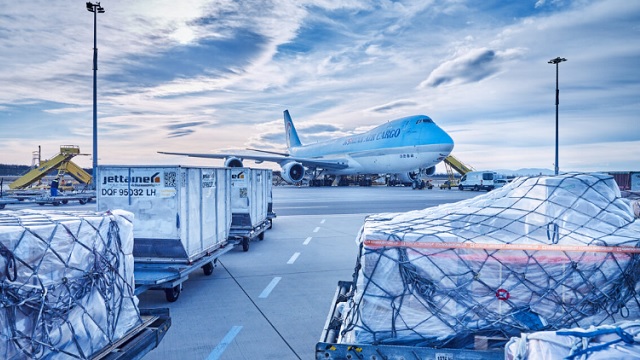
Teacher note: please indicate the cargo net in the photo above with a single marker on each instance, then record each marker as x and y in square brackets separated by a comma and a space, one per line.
[66, 288]
[541, 253]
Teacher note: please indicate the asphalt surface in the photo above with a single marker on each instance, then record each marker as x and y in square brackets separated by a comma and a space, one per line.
[289, 200]
[272, 301]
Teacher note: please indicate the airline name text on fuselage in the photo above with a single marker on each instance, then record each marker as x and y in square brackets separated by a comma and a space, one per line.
[387, 134]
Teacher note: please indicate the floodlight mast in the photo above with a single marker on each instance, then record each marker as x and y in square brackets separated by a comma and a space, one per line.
[95, 9]
[557, 61]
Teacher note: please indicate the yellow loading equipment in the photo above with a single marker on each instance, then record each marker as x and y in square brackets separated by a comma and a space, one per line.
[452, 163]
[62, 162]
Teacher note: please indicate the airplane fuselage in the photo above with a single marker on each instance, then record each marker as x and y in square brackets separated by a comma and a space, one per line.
[400, 145]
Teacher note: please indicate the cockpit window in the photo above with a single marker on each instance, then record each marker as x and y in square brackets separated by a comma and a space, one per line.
[424, 121]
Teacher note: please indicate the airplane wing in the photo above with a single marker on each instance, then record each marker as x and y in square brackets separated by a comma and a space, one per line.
[278, 158]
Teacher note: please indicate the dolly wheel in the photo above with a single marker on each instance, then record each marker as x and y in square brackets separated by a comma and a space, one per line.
[82, 201]
[261, 236]
[172, 294]
[208, 268]
[245, 244]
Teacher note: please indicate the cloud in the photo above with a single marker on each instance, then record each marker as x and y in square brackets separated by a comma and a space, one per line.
[318, 128]
[216, 74]
[184, 125]
[179, 133]
[67, 110]
[394, 105]
[473, 66]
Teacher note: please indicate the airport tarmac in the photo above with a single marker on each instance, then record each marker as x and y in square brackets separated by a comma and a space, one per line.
[272, 301]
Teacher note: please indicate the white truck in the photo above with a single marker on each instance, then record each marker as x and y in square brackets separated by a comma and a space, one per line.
[478, 180]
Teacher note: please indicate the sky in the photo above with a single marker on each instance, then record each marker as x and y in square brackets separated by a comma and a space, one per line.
[205, 76]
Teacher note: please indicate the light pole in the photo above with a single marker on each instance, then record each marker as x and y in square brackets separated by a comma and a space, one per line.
[95, 9]
[557, 61]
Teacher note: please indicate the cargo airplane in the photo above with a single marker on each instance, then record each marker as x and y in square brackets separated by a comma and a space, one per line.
[407, 146]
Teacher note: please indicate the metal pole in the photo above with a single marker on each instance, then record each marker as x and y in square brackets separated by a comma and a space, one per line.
[95, 99]
[557, 61]
[557, 167]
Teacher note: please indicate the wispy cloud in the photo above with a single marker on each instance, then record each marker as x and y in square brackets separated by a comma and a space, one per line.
[472, 66]
[212, 74]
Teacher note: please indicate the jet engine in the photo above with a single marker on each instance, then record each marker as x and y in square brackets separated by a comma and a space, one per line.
[292, 172]
[233, 161]
[429, 171]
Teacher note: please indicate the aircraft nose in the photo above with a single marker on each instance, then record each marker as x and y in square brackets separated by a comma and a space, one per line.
[445, 139]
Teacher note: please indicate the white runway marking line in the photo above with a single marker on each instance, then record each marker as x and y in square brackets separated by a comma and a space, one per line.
[323, 220]
[293, 258]
[265, 293]
[316, 229]
[222, 346]
[307, 241]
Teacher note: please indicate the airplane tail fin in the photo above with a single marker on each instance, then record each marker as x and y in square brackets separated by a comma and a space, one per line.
[290, 131]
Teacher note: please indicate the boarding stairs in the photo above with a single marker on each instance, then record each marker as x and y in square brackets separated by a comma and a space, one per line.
[451, 163]
[62, 162]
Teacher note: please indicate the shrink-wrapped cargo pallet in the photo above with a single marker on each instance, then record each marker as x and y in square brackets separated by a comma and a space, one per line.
[541, 253]
[66, 283]
[605, 342]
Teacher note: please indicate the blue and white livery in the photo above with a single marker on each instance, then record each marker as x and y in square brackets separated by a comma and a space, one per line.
[413, 144]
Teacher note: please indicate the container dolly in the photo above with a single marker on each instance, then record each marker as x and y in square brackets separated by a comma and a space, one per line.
[169, 276]
[242, 235]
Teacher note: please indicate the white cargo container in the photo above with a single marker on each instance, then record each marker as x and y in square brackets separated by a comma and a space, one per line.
[250, 190]
[181, 213]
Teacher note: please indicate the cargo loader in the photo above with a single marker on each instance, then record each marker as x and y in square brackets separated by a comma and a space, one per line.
[61, 162]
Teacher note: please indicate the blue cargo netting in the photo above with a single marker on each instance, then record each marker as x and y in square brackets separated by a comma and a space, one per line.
[542, 253]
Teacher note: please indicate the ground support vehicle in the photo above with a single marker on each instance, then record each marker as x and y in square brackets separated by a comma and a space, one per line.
[170, 276]
[140, 340]
[250, 196]
[4, 202]
[23, 195]
[478, 180]
[61, 162]
[449, 184]
[328, 347]
[421, 184]
[64, 199]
